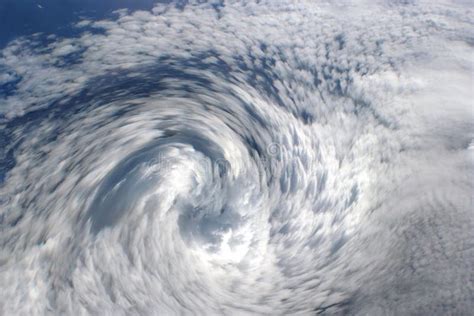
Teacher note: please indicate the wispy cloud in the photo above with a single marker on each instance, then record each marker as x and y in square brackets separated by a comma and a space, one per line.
[367, 204]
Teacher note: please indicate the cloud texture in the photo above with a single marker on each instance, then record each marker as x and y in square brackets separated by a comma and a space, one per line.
[241, 157]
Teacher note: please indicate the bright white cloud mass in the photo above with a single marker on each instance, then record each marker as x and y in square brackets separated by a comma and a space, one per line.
[241, 158]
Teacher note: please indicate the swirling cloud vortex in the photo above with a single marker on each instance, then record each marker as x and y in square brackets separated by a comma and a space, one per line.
[269, 157]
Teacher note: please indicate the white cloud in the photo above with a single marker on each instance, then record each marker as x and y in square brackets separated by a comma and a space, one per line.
[364, 202]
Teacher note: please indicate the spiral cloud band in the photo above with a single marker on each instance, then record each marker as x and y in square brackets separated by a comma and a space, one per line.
[241, 158]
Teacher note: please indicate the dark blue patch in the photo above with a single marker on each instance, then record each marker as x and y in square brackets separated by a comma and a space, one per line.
[8, 88]
[26, 17]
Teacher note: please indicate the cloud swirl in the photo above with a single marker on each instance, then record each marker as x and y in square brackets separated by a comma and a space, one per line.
[241, 157]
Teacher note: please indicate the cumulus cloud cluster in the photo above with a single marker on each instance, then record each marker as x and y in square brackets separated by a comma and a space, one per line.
[241, 157]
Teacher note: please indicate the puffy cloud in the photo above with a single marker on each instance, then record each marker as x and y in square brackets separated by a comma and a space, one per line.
[241, 158]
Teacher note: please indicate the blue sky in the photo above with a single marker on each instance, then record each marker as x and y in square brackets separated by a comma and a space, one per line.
[26, 17]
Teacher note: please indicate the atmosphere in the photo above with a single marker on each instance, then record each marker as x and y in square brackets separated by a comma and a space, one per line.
[236, 157]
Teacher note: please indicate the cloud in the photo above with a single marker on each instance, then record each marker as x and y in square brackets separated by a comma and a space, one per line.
[363, 204]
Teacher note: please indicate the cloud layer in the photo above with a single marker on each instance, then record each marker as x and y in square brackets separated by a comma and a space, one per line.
[269, 157]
